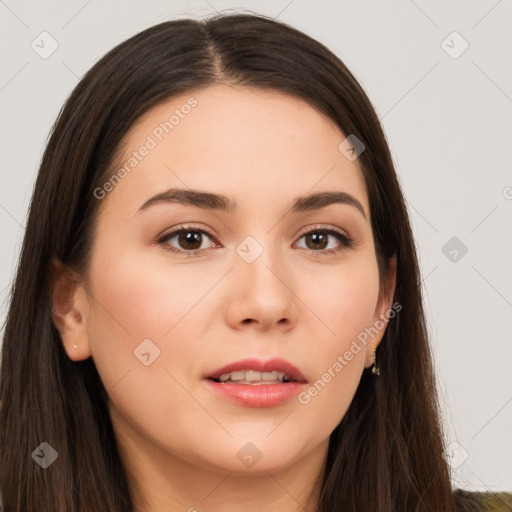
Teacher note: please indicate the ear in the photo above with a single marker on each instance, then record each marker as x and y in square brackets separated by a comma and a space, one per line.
[383, 312]
[70, 309]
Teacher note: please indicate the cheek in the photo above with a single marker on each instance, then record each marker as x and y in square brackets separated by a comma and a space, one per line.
[146, 299]
[136, 300]
[345, 303]
[343, 299]
[140, 297]
[140, 309]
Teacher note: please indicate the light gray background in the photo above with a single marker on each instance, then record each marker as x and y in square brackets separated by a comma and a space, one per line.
[449, 124]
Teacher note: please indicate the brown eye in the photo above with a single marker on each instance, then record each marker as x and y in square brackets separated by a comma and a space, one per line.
[318, 241]
[186, 240]
[190, 240]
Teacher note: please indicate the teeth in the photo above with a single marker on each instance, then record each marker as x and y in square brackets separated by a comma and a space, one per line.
[254, 377]
[237, 375]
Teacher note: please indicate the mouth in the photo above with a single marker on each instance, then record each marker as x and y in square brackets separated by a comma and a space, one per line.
[257, 372]
[253, 378]
[256, 383]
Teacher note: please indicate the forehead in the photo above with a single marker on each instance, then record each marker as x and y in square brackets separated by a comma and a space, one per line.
[247, 143]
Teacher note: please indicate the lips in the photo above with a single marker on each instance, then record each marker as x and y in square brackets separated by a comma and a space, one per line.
[271, 365]
[248, 390]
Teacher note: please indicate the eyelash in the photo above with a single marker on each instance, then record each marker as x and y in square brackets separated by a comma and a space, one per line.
[346, 241]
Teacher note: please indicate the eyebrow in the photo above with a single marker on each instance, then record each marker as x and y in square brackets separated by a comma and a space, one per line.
[219, 202]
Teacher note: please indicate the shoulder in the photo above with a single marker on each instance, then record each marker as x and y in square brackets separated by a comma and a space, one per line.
[474, 501]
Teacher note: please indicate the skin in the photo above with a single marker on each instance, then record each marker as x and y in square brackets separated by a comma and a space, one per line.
[178, 440]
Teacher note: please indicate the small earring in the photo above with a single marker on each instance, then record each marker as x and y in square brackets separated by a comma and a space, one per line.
[75, 346]
[375, 369]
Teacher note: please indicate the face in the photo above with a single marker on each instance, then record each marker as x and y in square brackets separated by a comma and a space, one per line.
[181, 286]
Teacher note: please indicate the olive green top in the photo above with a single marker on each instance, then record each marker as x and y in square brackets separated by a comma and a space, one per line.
[499, 501]
[474, 501]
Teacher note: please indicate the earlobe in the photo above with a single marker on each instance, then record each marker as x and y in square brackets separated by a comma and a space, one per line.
[69, 311]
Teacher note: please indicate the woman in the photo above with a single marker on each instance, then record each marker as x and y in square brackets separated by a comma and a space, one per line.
[217, 304]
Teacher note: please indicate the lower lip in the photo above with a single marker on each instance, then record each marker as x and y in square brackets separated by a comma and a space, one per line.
[261, 395]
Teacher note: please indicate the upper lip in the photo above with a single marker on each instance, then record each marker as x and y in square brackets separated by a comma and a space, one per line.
[274, 364]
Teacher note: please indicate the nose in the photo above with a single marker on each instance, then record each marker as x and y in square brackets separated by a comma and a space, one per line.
[262, 293]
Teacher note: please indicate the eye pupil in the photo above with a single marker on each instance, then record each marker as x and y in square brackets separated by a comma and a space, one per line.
[317, 237]
[189, 239]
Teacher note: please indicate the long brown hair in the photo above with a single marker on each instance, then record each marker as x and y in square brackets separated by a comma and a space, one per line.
[387, 452]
